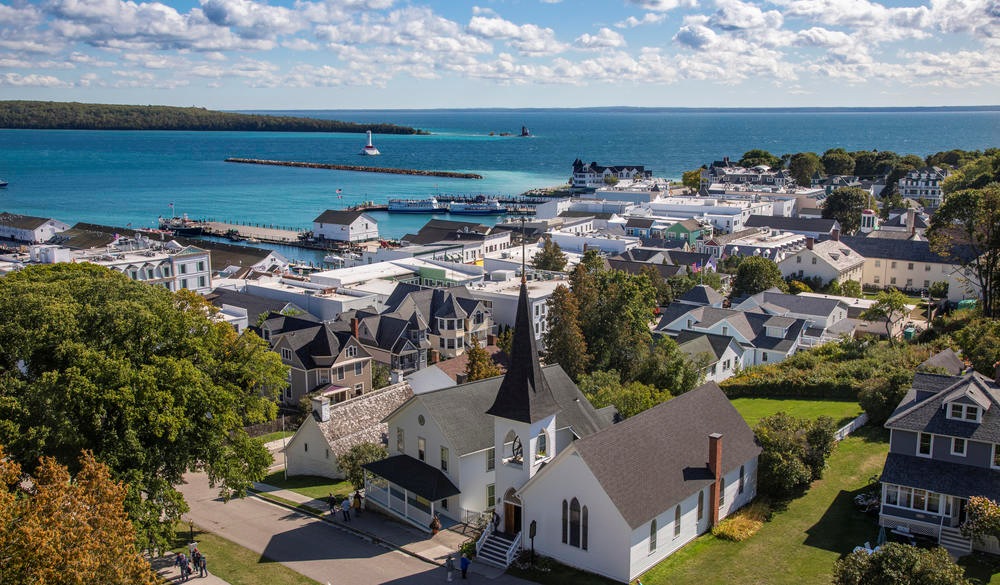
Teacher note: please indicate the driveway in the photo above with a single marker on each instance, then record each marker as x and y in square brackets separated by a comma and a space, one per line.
[319, 550]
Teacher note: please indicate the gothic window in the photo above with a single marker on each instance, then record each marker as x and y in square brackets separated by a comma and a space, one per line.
[574, 522]
[652, 536]
[701, 505]
[677, 521]
[584, 529]
[565, 522]
[541, 446]
[742, 479]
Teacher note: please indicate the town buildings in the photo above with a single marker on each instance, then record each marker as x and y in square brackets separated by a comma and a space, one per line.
[345, 226]
[924, 185]
[26, 229]
[592, 175]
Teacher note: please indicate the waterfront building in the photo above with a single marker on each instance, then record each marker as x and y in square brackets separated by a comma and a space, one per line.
[345, 226]
[592, 175]
[924, 185]
[724, 172]
[26, 229]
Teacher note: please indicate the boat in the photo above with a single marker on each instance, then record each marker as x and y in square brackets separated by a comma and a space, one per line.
[3, 183]
[525, 133]
[369, 149]
[479, 206]
[415, 206]
[182, 226]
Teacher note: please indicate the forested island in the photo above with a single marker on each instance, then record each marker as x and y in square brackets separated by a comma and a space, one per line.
[78, 116]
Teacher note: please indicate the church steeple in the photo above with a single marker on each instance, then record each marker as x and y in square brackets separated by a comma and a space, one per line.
[524, 394]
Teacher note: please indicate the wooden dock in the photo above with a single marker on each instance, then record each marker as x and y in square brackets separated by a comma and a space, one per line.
[271, 235]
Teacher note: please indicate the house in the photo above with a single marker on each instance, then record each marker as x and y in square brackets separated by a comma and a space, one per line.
[320, 356]
[332, 428]
[688, 230]
[647, 486]
[345, 226]
[592, 175]
[469, 241]
[701, 295]
[501, 298]
[817, 229]
[944, 447]
[28, 229]
[639, 227]
[826, 319]
[396, 341]
[912, 266]
[452, 317]
[724, 355]
[771, 244]
[827, 261]
[727, 173]
[924, 184]
[252, 304]
[172, 266]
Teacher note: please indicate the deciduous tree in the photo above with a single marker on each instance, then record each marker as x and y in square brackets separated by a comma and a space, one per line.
[889, 307]
[836, 161]
[752, 158]
[756, 274]
[480, 364]
[803, 166]
[351, 462]
[605, 388]
[851, 288]
[564, 341]
[845, 205]
[982, 518]
[143, 377]
[895, 564]
[550, 258]
[692, 179]
[57, 529]
[794, 452]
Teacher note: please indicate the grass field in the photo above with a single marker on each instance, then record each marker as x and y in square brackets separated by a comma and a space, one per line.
[310, 485]
[237, 565]
[275, 436]
[801, 542]
[754, 409]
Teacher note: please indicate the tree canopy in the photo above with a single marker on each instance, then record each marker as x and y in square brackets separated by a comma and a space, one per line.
[142, 377]
[692, 179]
[889, 307]
[351, 462]
[55, 528]
[803, 166]
[752, 158]
[794, 452]
[480, 364]
[756, 274]
[836, 161]
[564, 341]
[897, 564]
[845, 205]
[551, 257]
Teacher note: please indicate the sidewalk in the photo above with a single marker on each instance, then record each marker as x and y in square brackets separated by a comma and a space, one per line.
[379, 528]
[165, 568]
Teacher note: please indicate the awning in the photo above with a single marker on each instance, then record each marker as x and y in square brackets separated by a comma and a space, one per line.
[952, 479]
[414, 476]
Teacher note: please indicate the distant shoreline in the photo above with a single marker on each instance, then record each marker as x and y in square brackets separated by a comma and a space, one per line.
[655, 109]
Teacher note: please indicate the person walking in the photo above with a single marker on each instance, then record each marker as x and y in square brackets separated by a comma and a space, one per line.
[345, 508]
[332, 502]
[435, 525]
[464, 565]
[202, 565]
[357, 502]
[450, 565]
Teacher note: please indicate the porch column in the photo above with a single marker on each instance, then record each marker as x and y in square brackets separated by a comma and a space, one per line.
[406, 503]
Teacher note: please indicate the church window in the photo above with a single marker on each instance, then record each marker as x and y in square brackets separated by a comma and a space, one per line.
[400, 440]
[742, 478]
[677, 521]
[565, 522]
[541, 447]
[652, 536]
[701, 505]
[421, 448]
[585, 528]
[574, 522]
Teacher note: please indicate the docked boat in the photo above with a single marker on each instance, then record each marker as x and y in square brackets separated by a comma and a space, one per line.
[480, 206]
[415, 206]
[369, 149]
[182, 226]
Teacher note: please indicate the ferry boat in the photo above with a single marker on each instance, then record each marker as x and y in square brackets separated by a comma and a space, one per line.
[480, 206]
[369, 149]
[415, 206]
[182, 226]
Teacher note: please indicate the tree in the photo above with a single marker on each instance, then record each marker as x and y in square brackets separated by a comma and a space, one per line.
[881, 396]
[692, 179]
[610, 180]
[794, 452]
[505, 339]
[480, 365]
[564, 341]
[845, 205]
[797, 286]
[617, 332]
[803, 166]
[890, 307]
[55, 528]
[967, 228]
[836, 161]
[834, 288]
[756, 274]
[851, 288]
[895, 564]
[351, 462]
[982, 518]
[666, 367]
[550, 258]
[975, 174]
[979, 341]
[752, 158]
[605, 388]
[938, 289]
[144, 378]
[380, 375]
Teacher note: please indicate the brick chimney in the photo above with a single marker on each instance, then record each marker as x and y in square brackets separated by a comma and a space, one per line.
[809, 243]
[354, 327]
[715, 466]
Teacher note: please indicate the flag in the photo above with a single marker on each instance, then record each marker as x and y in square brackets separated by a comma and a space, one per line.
[695, 267]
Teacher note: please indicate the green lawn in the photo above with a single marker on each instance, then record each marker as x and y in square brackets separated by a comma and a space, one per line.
[310, 485]
[801, 542]
[235, 564]
[754, 409]
[275, 436]
[981, 569]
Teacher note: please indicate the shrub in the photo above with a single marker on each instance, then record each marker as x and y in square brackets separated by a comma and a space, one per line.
[744, 523]
[881, 397]
[794, 452]
[899, 563]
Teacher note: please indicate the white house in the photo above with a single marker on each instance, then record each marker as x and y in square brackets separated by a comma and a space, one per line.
[924, 184]
[827, 260]
[724, 353]
[29, 229]
[345, 226]
[912, 266]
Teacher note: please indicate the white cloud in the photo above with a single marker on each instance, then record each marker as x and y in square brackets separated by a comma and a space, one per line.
[30, 80]
[663, 5]
[528, 39]
[648, 18]
[737, 15]
[252, 19]
[605, 38]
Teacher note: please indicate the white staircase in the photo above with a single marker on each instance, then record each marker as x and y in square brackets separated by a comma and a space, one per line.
[497, 548]
[952, 540]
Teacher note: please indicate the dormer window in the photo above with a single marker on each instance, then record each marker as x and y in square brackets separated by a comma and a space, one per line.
[352, 351]
[967, 412]
[286, 354]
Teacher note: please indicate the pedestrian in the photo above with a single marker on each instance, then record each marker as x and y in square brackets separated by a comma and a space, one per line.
[202, 566]
[357, 502]
[435, 525]
[332, 502]
[185, 568]
[464, 564]
[450, 565]
[495, 520]
[345, 508]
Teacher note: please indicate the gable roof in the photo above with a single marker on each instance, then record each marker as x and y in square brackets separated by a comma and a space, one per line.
[663, 443]
[359, 420]
[792, 224]
[255, 305]
[639, 222]
[946, 359]
[22, 222]
[906, 250]
[835, 253]
[694, 343]
[338, 216]
[316, 345]
[701, 294]
[922, 411]
[774, 302]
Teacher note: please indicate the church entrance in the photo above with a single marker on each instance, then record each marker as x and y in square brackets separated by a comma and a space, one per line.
[511, 512]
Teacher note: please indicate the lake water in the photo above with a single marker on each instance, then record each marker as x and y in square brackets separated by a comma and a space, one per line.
[122, 177]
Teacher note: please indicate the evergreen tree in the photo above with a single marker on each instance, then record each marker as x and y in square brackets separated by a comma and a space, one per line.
[480, 364]
[564, 341]
[757, 274]
[550, 258]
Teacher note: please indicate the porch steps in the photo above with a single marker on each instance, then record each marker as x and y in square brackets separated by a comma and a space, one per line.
[494, 550]
[954, 542]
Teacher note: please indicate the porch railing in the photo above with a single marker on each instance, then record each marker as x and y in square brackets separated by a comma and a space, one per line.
[514, 547]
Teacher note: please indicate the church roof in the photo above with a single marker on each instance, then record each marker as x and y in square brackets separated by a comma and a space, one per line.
[524, 394]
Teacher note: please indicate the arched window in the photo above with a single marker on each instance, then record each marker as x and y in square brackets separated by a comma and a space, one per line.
[565, 522]
[574, 522]
[652, 535]
[741, 478]
[585, 529]
[677, 521]
[701, 505]
[541, 445]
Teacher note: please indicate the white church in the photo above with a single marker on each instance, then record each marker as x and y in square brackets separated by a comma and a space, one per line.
[612, 499]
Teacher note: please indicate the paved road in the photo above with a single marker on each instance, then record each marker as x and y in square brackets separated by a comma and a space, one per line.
[316, 549]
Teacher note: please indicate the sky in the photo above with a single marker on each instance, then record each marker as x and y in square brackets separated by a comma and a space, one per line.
[347, 54]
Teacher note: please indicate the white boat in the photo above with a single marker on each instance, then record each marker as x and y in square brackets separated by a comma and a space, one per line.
[415, 206]
[369, 149]
[481, 206]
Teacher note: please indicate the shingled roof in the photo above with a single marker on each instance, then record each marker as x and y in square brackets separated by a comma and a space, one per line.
[21, 222]
[338, 217]
[906, 250]
[921, 411]
[669, 443]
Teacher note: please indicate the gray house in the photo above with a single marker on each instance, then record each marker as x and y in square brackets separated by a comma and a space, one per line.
[944, 448]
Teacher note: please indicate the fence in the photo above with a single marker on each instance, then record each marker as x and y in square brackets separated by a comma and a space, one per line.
[290, 424]
[850, 427]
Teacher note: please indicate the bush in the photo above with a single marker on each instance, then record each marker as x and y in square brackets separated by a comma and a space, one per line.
[794, 452]
[744, 523]
[899, 563]
[883, 396]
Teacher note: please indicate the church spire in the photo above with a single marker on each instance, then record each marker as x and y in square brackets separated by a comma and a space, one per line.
[524, 394]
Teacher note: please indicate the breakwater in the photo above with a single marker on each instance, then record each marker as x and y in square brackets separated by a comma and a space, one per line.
[356, 168]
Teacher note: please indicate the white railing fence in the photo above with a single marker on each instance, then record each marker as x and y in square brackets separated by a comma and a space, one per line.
[514, 548]
[850, 427]
[482, 537]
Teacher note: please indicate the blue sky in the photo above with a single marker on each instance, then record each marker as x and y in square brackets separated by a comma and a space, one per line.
[333, 54]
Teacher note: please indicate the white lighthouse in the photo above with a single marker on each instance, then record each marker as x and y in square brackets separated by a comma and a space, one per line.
[369, 149]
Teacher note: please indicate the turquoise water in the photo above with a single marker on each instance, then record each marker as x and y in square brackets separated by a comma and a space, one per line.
[131, 177]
